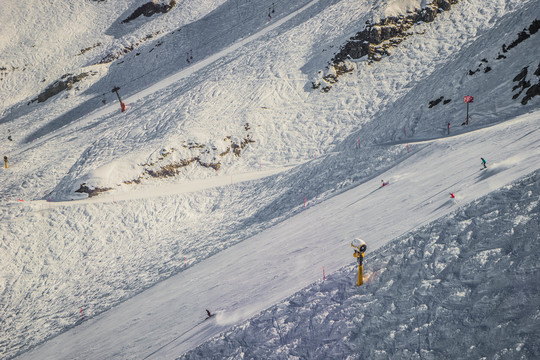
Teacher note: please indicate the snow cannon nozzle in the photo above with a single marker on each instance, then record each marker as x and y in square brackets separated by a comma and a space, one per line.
[360, 244]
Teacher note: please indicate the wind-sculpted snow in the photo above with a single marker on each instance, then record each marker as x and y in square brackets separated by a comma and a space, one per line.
[462, 287]
[136, 259]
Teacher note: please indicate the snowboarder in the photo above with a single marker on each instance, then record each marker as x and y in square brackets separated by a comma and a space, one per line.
[209, 314]
[452, 196]
[384, 183]
[5, 161]
[483, 162]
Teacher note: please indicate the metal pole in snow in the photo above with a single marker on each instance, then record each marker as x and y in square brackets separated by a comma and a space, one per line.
[122, 105]
[82, 315]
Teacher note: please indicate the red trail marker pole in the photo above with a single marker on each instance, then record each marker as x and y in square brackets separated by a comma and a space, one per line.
[82, 315]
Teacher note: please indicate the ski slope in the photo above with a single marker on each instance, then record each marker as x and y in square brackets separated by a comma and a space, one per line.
[239, 282]
[143, 261]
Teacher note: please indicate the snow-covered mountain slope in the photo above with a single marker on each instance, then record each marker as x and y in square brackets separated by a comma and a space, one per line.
[243, 107]
[463, 287]
[167, 319]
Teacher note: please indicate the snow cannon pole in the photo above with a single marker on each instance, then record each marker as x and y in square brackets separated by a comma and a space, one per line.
[360, 248]
[122, 105]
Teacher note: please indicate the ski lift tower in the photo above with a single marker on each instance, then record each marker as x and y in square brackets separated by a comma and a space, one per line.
[122, 105]
[360, 248]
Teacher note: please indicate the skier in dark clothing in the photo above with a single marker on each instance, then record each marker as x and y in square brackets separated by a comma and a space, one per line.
[209, 313]
[483, 162]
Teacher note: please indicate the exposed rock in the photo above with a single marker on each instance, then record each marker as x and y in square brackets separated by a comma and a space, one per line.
[173, 169]
[91, 192]
[523, 35]
[523, 83]
[89, 48]
[437, 101]
[376, 39]
[533, 90]
[66, 82]
[391, 31]
[150, 9]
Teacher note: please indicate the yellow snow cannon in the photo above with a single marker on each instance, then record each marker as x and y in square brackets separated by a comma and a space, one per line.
[360, 248]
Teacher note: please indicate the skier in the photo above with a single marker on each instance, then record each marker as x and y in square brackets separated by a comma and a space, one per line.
[452, 196]
[5, 161]
[384, 183]
[209, 313]
[483, 162]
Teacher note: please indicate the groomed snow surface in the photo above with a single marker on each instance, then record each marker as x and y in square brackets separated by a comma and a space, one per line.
[264, 241]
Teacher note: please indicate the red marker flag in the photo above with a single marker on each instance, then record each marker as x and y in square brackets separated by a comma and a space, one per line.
[468, 99]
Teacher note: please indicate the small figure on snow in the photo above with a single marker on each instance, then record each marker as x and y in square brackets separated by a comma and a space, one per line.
[384, 183]
[9, 135]
[483, 162]
[452, 196]
[5, 161]
[209, 313]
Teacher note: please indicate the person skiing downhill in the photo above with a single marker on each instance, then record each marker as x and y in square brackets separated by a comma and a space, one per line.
[453, 199]
[483, 162]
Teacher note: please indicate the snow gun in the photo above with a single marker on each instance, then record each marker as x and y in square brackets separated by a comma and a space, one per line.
[360, 248]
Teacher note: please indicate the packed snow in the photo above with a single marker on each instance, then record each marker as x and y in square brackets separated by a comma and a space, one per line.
[231, 184]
